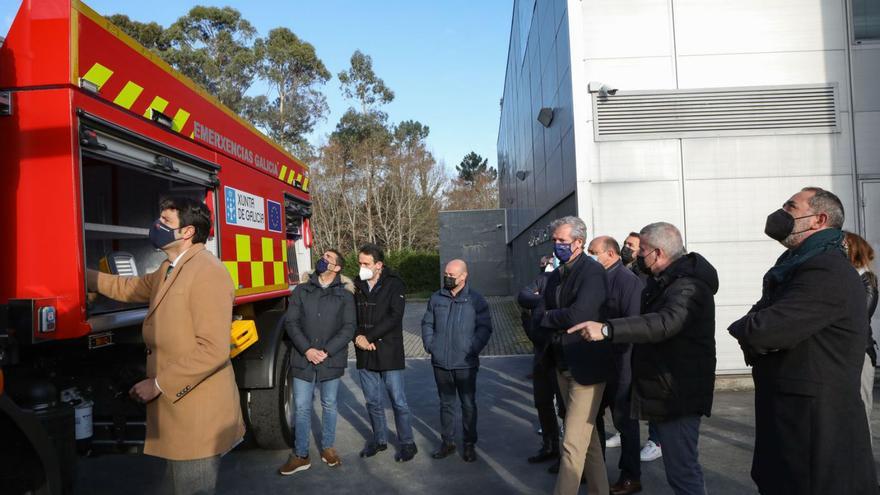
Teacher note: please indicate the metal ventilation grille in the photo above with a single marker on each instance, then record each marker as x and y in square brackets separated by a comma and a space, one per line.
[716, 112]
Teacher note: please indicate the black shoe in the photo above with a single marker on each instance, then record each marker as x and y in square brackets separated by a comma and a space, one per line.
[626, 486]
[372, 449]
[543, 455]
[443, 451]
[554, 468]
[406, 453]
[469, 454]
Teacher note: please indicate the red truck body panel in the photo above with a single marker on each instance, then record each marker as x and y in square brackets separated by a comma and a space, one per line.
[54, 44]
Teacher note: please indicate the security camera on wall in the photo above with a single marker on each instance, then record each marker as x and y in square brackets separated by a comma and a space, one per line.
[601, 88]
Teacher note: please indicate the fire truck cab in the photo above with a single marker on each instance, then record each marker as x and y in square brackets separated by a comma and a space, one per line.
[95, 129]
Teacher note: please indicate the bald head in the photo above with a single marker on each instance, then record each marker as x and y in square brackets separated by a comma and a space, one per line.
[605, 249]
[455, 273]
[456, 267]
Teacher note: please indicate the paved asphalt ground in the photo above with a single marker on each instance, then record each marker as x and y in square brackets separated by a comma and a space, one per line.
[506, 427]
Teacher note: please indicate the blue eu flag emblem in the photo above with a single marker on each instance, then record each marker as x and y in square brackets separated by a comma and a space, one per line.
[274, 216]
[230, 206]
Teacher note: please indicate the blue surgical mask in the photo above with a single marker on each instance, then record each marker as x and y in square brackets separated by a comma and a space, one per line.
[321, 266]
[594, 257]
[562, 251]
[161, 235]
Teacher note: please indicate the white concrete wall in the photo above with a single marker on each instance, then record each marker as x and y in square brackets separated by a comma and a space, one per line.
[718, 190]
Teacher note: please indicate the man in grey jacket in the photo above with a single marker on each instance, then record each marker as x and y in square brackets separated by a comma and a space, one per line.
[320, 322]
[455, 328]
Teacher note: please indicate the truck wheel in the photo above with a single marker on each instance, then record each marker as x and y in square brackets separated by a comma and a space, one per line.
[271, 410]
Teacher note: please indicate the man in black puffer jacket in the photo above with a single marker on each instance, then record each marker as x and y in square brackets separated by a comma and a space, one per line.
[673, 362]
[380, 296]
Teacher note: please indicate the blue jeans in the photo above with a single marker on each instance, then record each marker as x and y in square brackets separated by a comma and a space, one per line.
[303, 395]
[372, 383]
[463, 382]
[679, 438]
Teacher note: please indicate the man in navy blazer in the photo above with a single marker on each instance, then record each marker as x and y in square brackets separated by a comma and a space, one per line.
[576, 291]
[624, 299]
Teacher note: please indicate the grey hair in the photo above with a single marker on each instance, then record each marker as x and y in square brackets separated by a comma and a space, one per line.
[665, 237]
[578, 228]
[828, 203]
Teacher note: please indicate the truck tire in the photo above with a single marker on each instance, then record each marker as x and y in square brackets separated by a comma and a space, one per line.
[270, 411]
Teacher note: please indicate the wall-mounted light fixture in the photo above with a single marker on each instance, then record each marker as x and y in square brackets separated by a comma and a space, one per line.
[545, 116]
[522, 174]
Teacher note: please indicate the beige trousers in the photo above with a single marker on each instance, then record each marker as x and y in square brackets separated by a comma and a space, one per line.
[581, 439]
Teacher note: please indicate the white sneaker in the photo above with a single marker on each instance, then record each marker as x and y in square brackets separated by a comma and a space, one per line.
[613, 441]
[650, 452]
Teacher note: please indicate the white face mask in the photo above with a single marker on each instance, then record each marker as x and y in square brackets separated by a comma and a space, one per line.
[549, 267]
[365, 273]
[595, 257]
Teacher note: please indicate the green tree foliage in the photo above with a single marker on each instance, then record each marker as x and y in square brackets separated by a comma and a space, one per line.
[419, 269]
[360, 82]
[149, 34]
[476, 186]
[294, 73]
[379, 183]
[473, 165]
[371, 180]
[214, 47]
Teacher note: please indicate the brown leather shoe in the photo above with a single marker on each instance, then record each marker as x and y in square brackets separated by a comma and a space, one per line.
[294, 465]
[330, 457]
[626, 487]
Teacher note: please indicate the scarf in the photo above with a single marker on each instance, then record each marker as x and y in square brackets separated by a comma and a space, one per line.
[818, 243]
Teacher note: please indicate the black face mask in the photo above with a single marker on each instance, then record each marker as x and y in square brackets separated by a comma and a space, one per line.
[449, 283]
[780, 224]
[626, 255]
[642, 266]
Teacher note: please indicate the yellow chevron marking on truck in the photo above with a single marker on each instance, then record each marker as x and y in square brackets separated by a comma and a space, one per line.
[283, 171]
[268, 249]
[159, 104]
[257, 277]
[305, 186]
[278, 267]
[232, 266]
[128, 95]
[98, 75]
[180, 119]
[242, 247]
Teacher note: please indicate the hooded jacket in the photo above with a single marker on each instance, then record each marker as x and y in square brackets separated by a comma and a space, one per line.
[380, 320]
[324, 319]
[674, 357]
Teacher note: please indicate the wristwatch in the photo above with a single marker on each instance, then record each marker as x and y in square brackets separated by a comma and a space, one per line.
[605, 332]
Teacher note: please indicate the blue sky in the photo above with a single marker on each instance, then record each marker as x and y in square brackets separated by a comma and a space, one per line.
[445, 60]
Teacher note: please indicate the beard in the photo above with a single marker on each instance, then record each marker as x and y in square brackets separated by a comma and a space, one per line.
[797, 236]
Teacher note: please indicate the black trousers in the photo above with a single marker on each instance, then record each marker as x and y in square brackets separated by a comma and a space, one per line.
[464, 383]
[544, 388]
[617, 397]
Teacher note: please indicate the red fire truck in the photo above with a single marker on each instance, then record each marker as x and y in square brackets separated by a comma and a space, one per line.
[94, 130]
